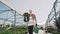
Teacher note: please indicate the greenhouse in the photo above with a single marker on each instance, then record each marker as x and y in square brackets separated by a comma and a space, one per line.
[10, 19]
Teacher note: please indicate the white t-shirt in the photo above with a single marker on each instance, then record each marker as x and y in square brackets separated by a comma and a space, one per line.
[31, 21]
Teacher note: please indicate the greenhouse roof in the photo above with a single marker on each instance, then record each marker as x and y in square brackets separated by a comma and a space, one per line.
[7, 14]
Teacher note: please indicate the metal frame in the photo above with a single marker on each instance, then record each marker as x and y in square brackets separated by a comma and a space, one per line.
[14, 15]
[53, 10]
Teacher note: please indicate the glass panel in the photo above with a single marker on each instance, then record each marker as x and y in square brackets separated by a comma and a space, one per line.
[7, 21]
[3, 6]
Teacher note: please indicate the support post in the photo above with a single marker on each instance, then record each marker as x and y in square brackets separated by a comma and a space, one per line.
[15, 22]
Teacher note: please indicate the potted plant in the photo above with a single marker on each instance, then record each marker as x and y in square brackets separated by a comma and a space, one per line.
[26, 17]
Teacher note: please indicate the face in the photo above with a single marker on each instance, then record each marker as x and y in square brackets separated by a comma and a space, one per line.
[30, 11]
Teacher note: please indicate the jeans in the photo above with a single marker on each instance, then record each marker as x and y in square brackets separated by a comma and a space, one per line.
[30, 29]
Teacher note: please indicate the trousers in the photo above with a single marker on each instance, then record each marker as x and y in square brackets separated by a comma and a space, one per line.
[30, 29]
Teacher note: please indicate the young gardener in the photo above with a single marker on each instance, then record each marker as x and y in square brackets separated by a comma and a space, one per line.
[36, 29]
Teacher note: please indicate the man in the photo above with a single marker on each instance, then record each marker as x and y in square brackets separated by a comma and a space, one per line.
[32, 21]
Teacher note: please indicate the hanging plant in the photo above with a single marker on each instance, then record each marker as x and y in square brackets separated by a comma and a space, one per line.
[26, 17]
[25, 14]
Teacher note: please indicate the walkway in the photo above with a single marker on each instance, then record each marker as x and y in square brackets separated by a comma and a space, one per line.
[40, 32]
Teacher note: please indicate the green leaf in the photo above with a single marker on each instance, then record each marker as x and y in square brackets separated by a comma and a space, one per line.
[25, 14]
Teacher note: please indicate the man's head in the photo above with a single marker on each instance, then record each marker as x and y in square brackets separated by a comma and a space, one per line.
[30, 11]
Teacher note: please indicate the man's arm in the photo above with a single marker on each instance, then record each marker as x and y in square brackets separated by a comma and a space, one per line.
[35, 19]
